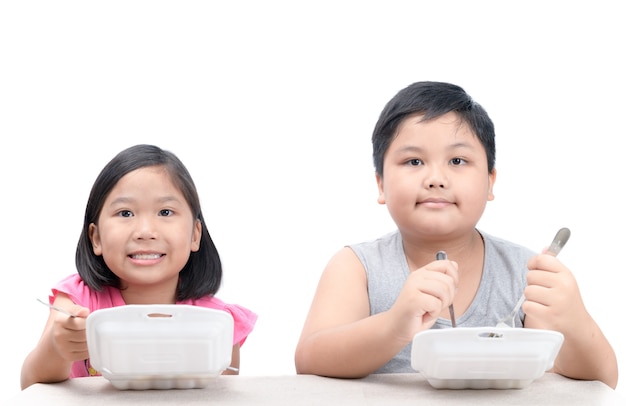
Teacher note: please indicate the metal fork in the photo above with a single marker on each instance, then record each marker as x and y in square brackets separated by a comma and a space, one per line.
[58, 309]
[440, 256]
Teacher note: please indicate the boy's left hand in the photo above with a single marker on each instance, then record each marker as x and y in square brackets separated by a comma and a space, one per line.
[553, 300]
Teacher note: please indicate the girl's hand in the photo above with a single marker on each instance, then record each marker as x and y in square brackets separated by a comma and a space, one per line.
[69, 335]
[426, 292]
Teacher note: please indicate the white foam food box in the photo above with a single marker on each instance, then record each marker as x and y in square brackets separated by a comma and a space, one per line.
[484, 357]
[160, 346]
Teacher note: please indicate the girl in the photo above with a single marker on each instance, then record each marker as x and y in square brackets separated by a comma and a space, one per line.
[144, 241]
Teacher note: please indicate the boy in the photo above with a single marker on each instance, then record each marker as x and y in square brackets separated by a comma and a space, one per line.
[434, 156]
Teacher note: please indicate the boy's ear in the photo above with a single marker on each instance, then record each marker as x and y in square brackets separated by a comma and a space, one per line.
[381, 189]
[492, 180]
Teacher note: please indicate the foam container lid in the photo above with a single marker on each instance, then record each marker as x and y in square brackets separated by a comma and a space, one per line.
[160, 346]
[484, 357]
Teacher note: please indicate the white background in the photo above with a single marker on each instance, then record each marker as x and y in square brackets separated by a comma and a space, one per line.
[271, 106]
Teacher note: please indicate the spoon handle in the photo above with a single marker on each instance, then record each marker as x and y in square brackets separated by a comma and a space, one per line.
[559, 241]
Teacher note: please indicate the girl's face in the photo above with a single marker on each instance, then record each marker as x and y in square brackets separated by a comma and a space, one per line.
[435, 181]
[146, 233]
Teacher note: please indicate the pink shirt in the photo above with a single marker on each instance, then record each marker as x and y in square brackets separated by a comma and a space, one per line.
[83, 295]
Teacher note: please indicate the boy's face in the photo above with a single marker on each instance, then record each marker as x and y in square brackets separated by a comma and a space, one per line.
[435, 181]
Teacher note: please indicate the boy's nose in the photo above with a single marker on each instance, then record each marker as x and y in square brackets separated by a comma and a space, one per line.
[436, 185]
[436, 178]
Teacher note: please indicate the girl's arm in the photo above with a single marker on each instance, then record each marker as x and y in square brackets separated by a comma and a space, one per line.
[234, 362]
[62, 342]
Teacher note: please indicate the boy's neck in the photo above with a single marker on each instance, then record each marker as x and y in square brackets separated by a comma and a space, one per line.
[464, 249]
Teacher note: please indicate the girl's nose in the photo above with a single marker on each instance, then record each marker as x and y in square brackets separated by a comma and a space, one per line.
[146, 229]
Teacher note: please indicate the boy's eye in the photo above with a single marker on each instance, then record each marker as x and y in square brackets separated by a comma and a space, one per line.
[166, 212]
[457, 161]
[415, 162]
[125, 213]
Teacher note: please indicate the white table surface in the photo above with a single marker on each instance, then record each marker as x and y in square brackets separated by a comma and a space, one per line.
[387, 389]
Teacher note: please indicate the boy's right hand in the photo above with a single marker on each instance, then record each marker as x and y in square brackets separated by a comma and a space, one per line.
[426, 293]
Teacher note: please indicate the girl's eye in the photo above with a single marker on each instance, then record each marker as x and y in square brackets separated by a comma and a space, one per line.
[125, 213]
[457, 161]
[166, 212]
[415, 162]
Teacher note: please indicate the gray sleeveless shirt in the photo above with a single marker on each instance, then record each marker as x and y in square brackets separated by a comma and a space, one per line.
[502, 283]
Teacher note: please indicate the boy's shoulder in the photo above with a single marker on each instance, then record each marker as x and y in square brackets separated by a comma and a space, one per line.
[504, 246]
[389, 239]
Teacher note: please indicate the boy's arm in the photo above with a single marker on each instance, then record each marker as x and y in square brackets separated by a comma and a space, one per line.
[341, 339]
[554, 302]
[587, 354]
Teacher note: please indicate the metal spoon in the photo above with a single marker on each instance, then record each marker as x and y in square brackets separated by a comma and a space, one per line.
[58, 309]
[557, 244]
[440, 256]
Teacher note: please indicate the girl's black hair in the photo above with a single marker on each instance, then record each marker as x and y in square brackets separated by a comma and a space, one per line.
[201, 275]
[432, 99]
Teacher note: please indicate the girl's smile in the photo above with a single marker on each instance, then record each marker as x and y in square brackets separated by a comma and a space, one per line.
[146, 230]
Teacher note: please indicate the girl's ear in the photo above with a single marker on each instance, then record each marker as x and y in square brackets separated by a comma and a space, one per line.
[196, 236]
[94, 236]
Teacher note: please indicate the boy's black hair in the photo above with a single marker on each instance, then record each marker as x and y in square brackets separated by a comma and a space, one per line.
[432, 99]
[201, 275]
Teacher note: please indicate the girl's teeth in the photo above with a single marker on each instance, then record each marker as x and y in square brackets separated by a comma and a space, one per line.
[146, 256]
